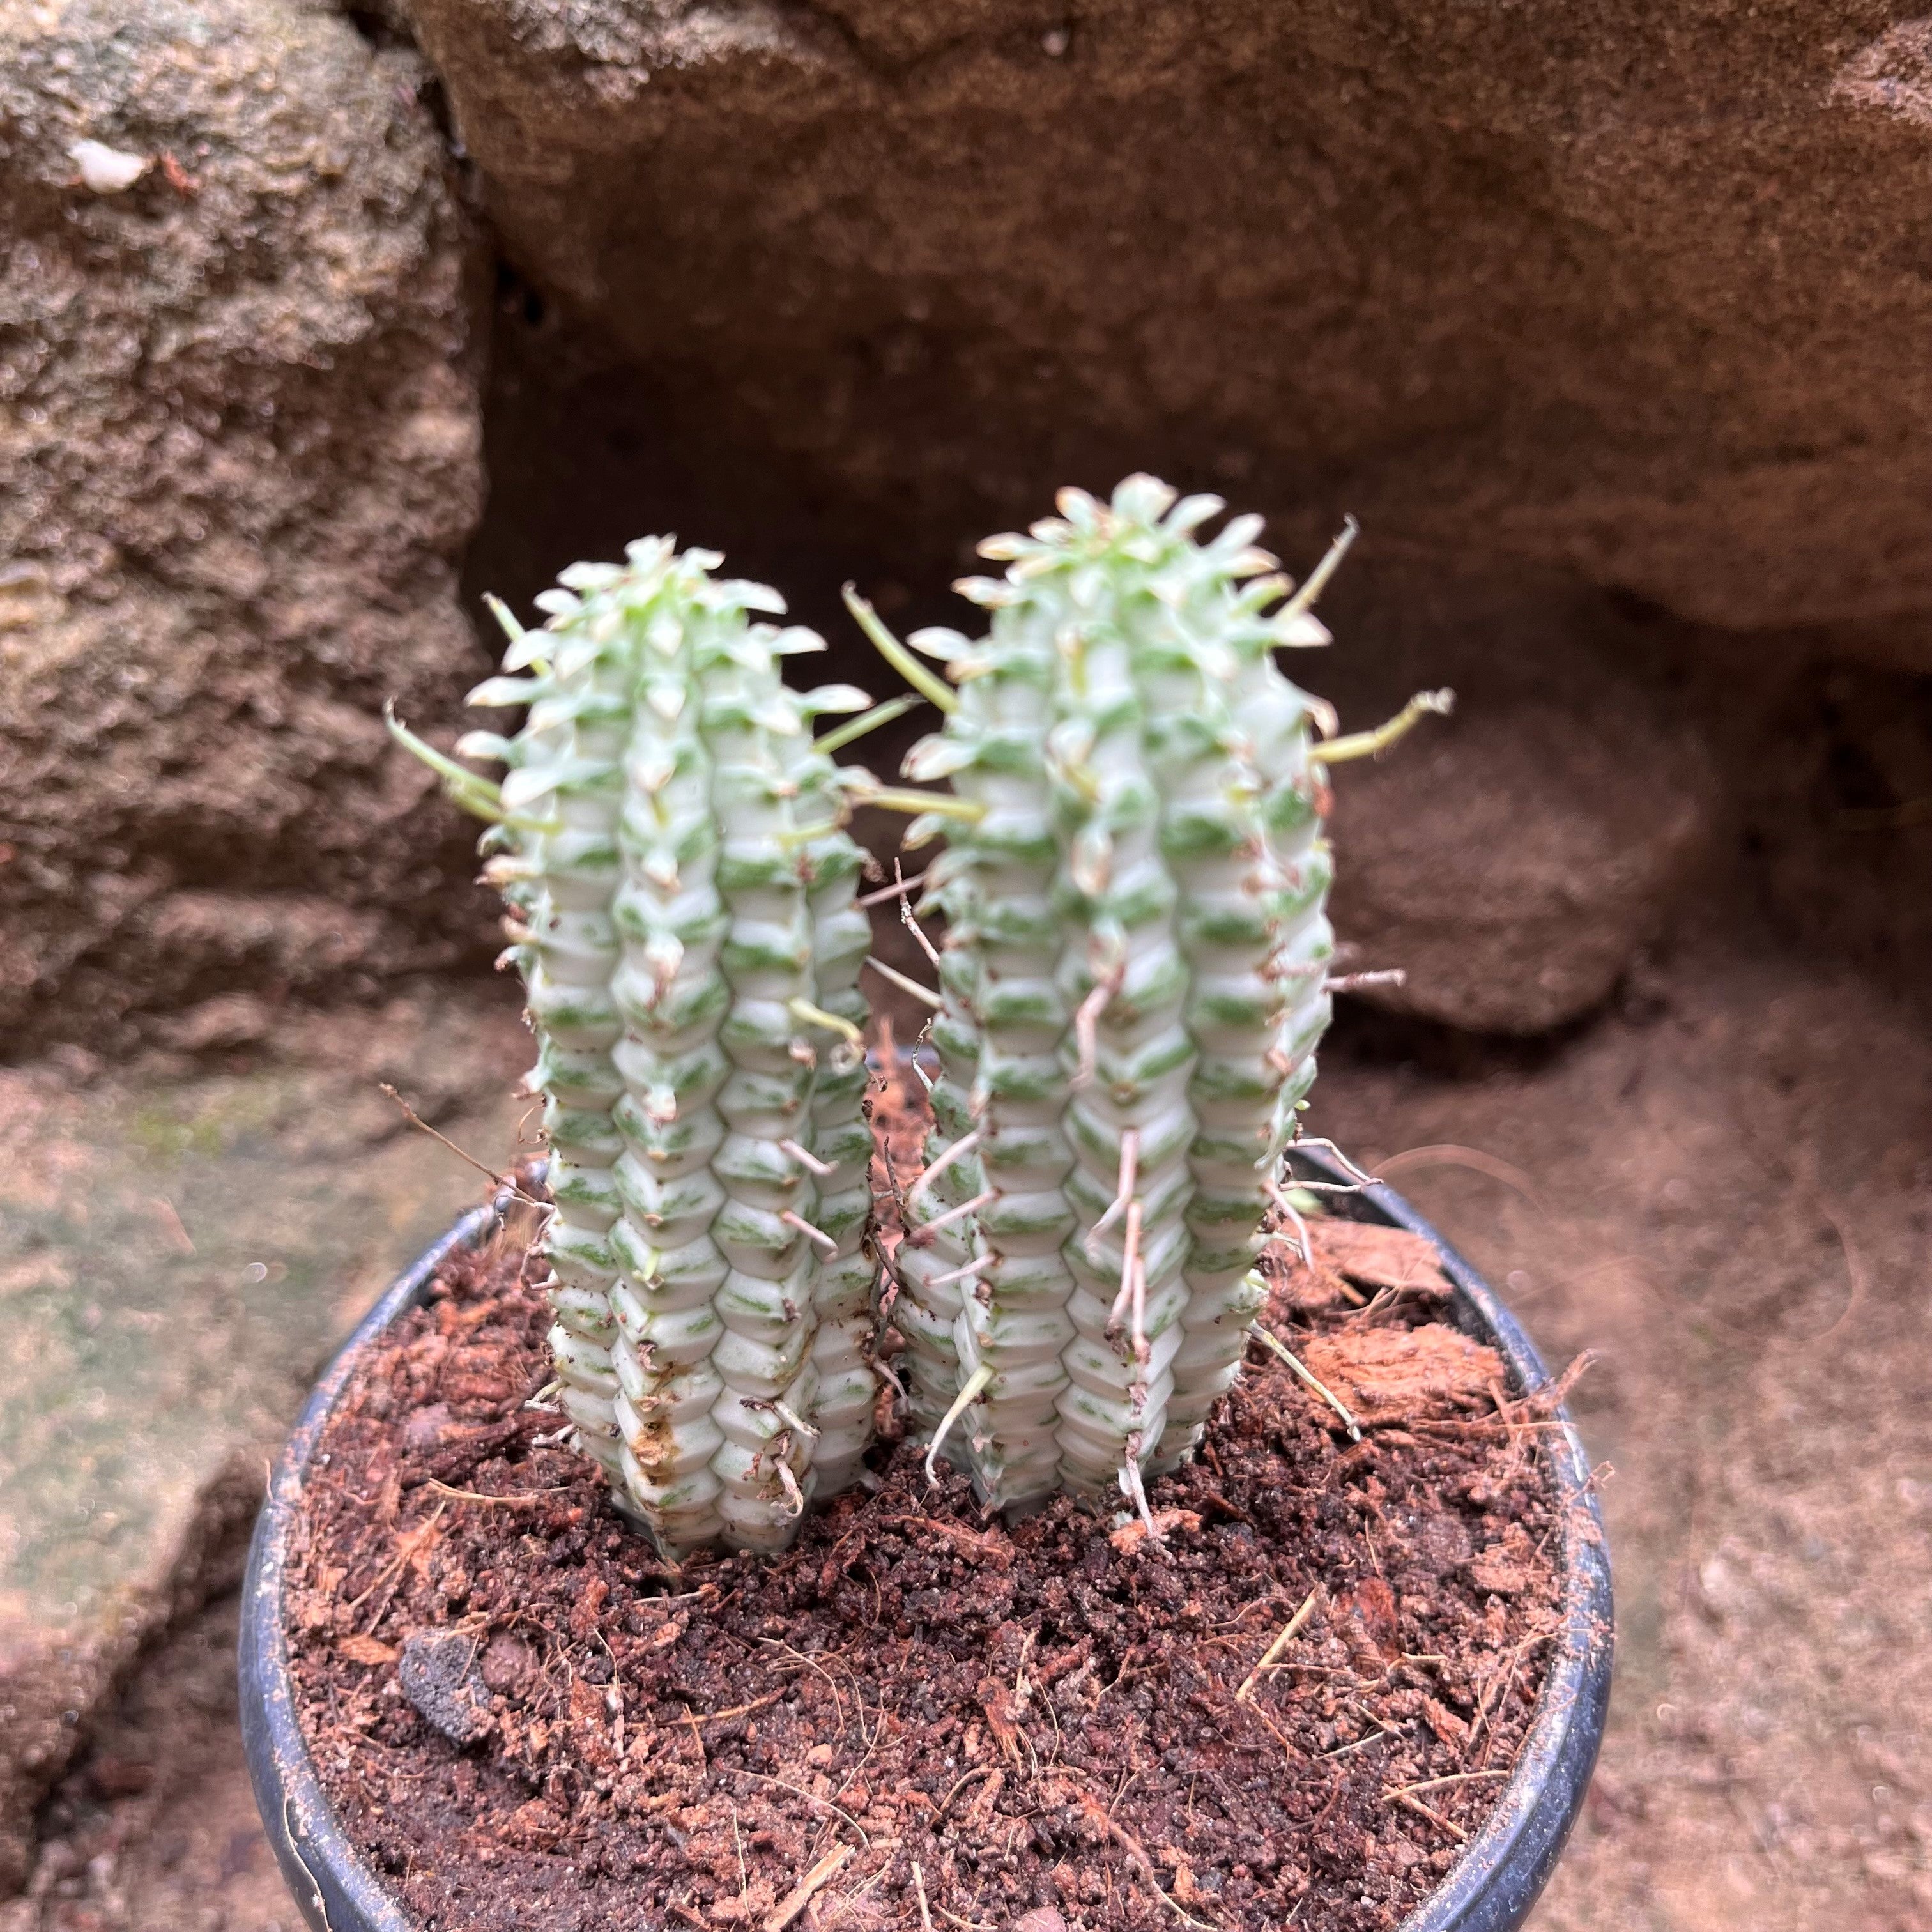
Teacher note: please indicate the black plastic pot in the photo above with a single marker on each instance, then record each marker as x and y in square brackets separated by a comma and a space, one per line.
[1490, 1888]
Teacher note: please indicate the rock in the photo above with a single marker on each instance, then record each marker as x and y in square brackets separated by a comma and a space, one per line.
[1041, 1918]
[228, 1020]
[1512, 860]
[155, 1828]
[439, 1675]
[242, 446]
[107, 170]
[1541, 297]
[1366, 1619]
[508, 1663]
[177, 1258]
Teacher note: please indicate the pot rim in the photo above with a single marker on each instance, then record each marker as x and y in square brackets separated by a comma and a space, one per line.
[1490, 1888]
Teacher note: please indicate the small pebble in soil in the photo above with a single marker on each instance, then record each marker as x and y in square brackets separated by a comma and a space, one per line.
[438, 1674]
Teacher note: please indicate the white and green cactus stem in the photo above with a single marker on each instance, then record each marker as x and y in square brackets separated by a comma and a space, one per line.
[682, 912]
[1133, 986]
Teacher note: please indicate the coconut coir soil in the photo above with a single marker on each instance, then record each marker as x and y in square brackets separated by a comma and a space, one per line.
[1062, 1717]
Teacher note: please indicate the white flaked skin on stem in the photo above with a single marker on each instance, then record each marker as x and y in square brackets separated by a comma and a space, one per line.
[1149, 876]
[686, 929]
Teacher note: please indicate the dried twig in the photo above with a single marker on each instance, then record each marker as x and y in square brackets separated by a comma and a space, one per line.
[1097, 1814]
[911, 925]
[1320, 1387]
[1504, 1673]
[970, 1925]
[811, 1798]
[523, 1500]
[1086, 1024]
[1123, 1191]
[170, 1217]
[893, 976]
[918, 1238]
[407, 1544]
[1289, 1632]
[1436, 1784]
[898, 888]
[817, 1237]
[958, 1150]
[982, 1546]
[416, 1119]
[795, 1901]
[738, 1710]
[1350, 982]
[1410, 1803]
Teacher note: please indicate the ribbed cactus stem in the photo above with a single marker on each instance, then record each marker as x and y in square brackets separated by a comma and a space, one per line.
[685, 924]
[1131, 990]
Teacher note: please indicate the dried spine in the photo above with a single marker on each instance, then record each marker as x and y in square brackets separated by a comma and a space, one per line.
[1133, 988]
[684, 917]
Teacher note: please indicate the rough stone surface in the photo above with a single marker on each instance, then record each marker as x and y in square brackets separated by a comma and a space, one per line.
[1512, 861]
[239, 422]
[1631, 298]
[156, 1830]
[1723, 1190]
[181, 1243]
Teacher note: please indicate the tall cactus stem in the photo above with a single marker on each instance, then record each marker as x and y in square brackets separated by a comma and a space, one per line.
[1133, 986]
[681, 900]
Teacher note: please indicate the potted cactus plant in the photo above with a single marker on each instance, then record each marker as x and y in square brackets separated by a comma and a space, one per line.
[1135, 972]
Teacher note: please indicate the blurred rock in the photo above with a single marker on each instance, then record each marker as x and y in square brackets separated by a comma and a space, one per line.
[1513, 860]
[1541, 295]
[177, 1257]
[228, 1020]
[155, 1830]
[242, 444]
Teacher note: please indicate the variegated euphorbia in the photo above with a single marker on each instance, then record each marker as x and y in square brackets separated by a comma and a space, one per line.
[1133, 982]
[682, 913]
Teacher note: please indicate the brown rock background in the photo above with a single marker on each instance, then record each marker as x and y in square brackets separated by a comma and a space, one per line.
[1605, 326]
[239, 424]
[1629, 295]
[1608, 327]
